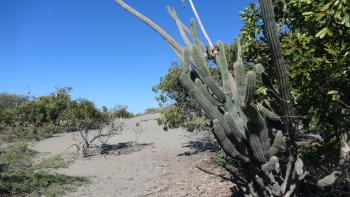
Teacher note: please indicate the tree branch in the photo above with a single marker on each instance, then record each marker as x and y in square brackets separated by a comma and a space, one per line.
[153, 25]
[200, 24]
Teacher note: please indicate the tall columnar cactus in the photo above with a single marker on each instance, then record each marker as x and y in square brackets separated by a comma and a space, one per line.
[264, 165]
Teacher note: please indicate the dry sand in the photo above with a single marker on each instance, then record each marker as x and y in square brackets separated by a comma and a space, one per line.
[166, 166]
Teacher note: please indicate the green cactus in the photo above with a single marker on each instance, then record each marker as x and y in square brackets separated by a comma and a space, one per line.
[241, 124]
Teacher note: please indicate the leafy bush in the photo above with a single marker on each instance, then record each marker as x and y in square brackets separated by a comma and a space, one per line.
[172, 117]
[198, 123]
[53, 162]
[10, 101]
[151, 111]
[82, 114]
[47, 115]
[315, 39]
[121, 112]
[19, 176]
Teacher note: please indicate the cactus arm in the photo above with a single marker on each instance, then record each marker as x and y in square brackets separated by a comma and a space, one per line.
[271, 33]
[270, 165]
[240, 77]
[250, 88]
[204, 74]
[256, 146]
[225, 143]
[183, 26]
[236, 130]
[180, 26]
[204, 89]
[194, 34]
[277, 144]
[222, 62]
[266, 112]
[258, 133]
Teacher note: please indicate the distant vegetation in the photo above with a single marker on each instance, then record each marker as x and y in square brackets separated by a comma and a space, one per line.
[121, 111]
[29, 118]
[151, 110]
[21, 118]
[10, 101]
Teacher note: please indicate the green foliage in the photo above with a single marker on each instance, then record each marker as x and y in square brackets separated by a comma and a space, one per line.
[121, 112]
[198, 123]
[47, 115]
[170, 89]
[19, 176]
[219, 159]
[10, 101]
[151, 111]
[82, 114]
[16, 157]
[315, 42]
[53, 162]
[172, 117]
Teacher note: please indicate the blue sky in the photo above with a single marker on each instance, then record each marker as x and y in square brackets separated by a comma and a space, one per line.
[97, 48]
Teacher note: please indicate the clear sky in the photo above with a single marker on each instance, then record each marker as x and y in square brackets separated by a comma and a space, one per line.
[97, 48]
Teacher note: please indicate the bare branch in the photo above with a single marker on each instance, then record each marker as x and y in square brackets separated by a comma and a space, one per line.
[153, 25]
[288, 171]
[200, 24]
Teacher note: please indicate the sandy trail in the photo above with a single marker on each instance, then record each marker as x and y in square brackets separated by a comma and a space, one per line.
[164, 167]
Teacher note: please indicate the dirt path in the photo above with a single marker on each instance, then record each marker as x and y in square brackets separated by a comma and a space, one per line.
[164, 166]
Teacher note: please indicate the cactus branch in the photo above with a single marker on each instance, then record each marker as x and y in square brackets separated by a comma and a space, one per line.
[182, 28]
[281, 67]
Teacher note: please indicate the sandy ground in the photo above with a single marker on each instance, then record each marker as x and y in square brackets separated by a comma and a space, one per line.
[164, 166]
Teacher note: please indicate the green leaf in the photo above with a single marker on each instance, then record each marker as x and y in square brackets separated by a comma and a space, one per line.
[331, 51]
[325, 31]
[307, 13]
[325, 7]
[346, 20]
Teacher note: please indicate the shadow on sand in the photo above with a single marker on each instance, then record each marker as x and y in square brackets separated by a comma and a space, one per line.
[123, 147]
[198, 146]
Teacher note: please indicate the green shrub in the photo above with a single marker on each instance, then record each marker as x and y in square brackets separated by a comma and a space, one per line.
[10, 101]
[52, 163]
[82, 114]
[198, 123]
[121, 112]
[47, 115]
[20, 177]
[151, 111]
[172, 117]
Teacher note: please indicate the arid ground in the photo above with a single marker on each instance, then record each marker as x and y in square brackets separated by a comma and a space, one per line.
[148, 161]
